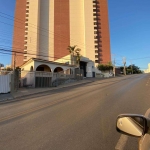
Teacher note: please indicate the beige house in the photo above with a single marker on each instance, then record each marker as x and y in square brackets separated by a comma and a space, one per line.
[38, 71]
[41, 73]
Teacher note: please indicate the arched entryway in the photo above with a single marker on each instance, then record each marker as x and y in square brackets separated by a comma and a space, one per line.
[43, 68]
[58, 69]
[43, 76]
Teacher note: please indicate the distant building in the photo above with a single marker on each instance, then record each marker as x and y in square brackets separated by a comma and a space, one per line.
[8, 66]
[147, 70]
[48, 27]
[1, 66]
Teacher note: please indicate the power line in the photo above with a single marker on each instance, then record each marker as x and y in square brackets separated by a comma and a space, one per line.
[18, 27]
[39, 28]
[45, 30]
[68, 59]
[29, 53]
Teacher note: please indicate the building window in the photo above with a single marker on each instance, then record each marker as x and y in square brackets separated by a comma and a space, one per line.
[27, 11]
[27, 7]
[96, 61]
[26, 24]
[95, 32]
[25, 52]
[26, 38]
[96, 51]
[96, 46]
[96, 56]
[27, 2]
[27, 15]
[25, 57]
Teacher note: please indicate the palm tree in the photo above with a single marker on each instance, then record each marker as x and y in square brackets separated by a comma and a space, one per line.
[78, 55]
[72, 52]
[75, 53]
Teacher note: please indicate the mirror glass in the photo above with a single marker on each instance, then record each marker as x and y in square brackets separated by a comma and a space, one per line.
[131, 125]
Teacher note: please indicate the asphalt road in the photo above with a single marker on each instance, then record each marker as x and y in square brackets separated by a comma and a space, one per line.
[74, 118]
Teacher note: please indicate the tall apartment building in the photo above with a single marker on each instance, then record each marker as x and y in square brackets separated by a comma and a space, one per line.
[45, 28]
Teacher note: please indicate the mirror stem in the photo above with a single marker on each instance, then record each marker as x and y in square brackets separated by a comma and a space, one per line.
[148, 126]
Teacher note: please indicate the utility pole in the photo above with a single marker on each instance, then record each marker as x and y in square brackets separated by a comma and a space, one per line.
[114, 68]
[124, 63]
[15, 61]
[13, 82]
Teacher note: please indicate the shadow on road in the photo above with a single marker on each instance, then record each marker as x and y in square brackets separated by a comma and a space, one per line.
[62, 90]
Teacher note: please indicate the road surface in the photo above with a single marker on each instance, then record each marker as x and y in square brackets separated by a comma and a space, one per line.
[75, 118]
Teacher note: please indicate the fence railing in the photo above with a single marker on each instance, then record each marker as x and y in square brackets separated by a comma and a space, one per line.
[47, 79]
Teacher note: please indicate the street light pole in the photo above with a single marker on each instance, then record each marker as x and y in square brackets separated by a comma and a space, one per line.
[124, 63]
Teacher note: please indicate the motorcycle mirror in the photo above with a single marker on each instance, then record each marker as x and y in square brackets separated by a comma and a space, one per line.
[133, 125]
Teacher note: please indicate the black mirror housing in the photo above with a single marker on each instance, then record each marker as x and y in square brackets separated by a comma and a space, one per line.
[131, 124]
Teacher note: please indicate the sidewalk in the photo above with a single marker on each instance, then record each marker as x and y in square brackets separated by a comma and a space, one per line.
[23, 92]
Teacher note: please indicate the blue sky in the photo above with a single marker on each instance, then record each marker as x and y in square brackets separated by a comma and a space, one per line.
[6, 31]
[129, 22]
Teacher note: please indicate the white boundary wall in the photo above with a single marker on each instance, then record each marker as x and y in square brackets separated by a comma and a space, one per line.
[5, 83]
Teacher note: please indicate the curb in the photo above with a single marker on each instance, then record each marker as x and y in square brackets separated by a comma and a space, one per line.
[22, 97]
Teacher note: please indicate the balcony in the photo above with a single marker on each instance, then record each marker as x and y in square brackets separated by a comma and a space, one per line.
[96, 51]
[25, 39]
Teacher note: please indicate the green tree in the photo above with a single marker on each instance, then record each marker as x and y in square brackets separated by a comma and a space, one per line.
[129, 69]
[105, 67]
[136, 69]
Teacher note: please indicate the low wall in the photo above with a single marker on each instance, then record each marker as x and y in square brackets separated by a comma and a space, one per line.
[5, 83]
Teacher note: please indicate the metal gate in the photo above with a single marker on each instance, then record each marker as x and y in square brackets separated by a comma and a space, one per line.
[43, 79]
